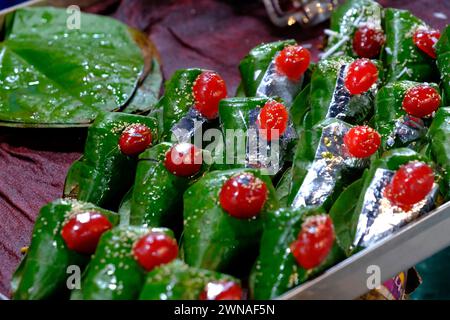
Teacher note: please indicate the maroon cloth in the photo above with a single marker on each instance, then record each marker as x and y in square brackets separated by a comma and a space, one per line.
[197, 33]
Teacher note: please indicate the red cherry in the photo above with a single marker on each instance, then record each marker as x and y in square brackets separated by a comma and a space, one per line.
[314, 241]
[421, 101]
[367, 42]
[273, 116]
[83, 231]
[362, 141]
[221, 290]
[293, 61]
[155, 249]
[361, 75]
[243, 195]
[410, 184]
[183, 159]
[209, 88]
[135, 139]
[425, 40]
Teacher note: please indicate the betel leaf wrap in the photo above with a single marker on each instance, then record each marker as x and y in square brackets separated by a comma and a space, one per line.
[212, 238]
[178, 281]
[439, 137]
[157, 196]
[53, 75]
[177, 102]
[234, 117]
[255, 64]
[243, 145]
[395, 126]
[329, 98]
[114, 273]
[44, 270]
[347, 221]
[322, 166]
[346, 19]
[276, 270]
[401, 57]
[105, 173]
[443, 61]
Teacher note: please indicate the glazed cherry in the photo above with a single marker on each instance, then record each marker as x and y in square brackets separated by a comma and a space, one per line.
[221, 290]
[362, 141]
[183, 159]
[82, 232]
[410, 184]
[135, 139]
[272, 120]
[293, 61]
[243, 196]
[367, 42]
[155, 249]
[209, 88]
[426, 40]
[421, 101]
[314, 242]
[361, 75]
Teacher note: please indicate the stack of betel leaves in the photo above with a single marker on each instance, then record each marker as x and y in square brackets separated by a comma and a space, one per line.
[210, 197]
[56, 75]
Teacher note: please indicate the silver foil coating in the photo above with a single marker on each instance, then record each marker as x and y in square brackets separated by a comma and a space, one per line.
[379, 218]
[407, 129]
[266, 154]
[185, 129]
[341, 97]
[274, 84]
[348, 107]
[330, 160]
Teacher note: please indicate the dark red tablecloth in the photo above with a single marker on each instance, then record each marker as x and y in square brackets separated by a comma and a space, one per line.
[197, 33]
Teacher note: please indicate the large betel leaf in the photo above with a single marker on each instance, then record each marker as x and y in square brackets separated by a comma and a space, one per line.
[54, 75]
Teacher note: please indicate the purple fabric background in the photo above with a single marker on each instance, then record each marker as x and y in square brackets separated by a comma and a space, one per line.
[197, 33]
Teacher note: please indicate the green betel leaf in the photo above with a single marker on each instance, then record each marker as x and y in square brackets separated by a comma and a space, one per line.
[212, 238]
[402, 59]
[53, 75]
[346, 19]
[147, 95]
[105, 174]
[255, 64]
[114, 273]
[178, 281]
[276, 269]
[395, 126]
[43, 272]
[356, 222]
[443, 60]
[157, 196]
[439, 136]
